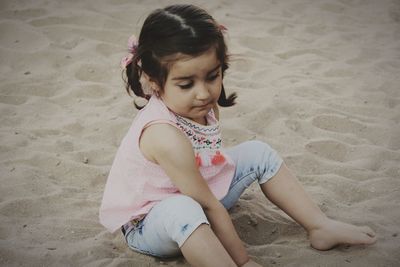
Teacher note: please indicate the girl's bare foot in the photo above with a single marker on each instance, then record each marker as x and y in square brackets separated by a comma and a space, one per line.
[332, 233]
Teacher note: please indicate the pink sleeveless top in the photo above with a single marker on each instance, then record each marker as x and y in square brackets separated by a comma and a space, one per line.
[135, 184]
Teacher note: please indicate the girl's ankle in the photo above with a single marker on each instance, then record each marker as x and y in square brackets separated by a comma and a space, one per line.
[318, 224]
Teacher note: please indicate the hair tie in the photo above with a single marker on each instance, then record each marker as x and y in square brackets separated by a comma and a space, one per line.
[132, 49]
[222, 28]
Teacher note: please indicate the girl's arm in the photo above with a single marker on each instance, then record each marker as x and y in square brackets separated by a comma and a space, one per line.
[169, 147]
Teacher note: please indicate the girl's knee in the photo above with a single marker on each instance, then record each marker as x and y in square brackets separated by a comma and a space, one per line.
[262, 158]
[187, 209]
[259, 152]
[183, 203]
[257, 145]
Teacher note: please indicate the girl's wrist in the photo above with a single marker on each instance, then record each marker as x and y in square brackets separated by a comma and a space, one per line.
[250, 263]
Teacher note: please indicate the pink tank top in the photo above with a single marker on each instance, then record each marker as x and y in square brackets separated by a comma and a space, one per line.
[135, 184]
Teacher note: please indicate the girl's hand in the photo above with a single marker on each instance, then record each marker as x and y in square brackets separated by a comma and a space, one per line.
[216, 111]
[251, 263]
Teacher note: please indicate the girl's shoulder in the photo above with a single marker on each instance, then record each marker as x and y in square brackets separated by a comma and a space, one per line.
[155, 108]
[158, 129]
[161, 139]
[155, 111]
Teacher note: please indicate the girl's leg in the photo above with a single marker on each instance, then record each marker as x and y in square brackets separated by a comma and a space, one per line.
[287, 193]
[178, 225]
[257, 161]
[203, 248]
[254, 161]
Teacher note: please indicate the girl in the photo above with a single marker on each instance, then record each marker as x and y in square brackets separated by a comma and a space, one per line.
[172, 182]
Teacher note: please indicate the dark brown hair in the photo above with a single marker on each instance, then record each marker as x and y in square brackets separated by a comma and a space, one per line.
[176, 29]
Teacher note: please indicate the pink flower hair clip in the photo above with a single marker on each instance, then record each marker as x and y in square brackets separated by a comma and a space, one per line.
[222, 28]
[132, 48]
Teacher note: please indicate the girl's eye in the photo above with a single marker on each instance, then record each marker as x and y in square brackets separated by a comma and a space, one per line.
[186, 86]
[215, 76]
[190, 84]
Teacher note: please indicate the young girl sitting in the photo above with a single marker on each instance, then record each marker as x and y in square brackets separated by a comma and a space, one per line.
[172, 182]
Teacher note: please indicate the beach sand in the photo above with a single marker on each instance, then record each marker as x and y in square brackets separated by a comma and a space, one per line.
[317, 79]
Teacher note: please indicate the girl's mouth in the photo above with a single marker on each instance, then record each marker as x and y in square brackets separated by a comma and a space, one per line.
[204, 105]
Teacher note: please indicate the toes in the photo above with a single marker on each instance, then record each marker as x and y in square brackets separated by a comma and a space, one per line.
[372, 239]
[369, 237]
[369, 231]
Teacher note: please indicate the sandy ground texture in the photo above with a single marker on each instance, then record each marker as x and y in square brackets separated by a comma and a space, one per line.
[317, 79]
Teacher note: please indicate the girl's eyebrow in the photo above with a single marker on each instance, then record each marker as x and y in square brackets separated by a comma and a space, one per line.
[190, 77]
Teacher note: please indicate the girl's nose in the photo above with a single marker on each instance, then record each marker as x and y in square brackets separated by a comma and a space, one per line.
[203, 92]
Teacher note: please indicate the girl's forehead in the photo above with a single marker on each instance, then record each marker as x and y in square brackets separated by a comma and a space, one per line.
[189, 65]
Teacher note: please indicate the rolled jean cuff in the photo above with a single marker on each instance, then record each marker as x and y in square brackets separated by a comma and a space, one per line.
[188, 231]
[272, 171]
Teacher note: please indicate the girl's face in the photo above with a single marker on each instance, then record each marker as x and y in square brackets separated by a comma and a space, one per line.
[193, 86]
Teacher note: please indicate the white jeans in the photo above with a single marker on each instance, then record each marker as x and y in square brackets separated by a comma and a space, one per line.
[171, 221]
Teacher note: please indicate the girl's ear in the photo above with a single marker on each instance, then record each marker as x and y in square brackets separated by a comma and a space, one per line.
[149, 86]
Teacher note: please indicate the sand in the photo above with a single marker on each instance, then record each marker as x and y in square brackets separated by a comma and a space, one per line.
[317, 80]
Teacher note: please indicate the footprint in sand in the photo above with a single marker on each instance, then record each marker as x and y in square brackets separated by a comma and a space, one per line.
[13, 99]
[302, 52]
[244, 65]
[333, 8]
[260, 44]
[376, 135]
[106, 49]
[21, 38]
[249, 228]
[339, 72]
[317, 29]
[365, 56]
[94, 73]
[338, 124]
[34, 206]
[22, 14]
[329, 149]
[85, 91]
[278, 30]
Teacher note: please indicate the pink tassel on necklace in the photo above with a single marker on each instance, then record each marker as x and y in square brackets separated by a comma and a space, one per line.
[218, 159]
[198, 160]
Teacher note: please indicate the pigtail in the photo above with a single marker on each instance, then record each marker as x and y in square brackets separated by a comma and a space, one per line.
[133, 74]
[224, 101]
